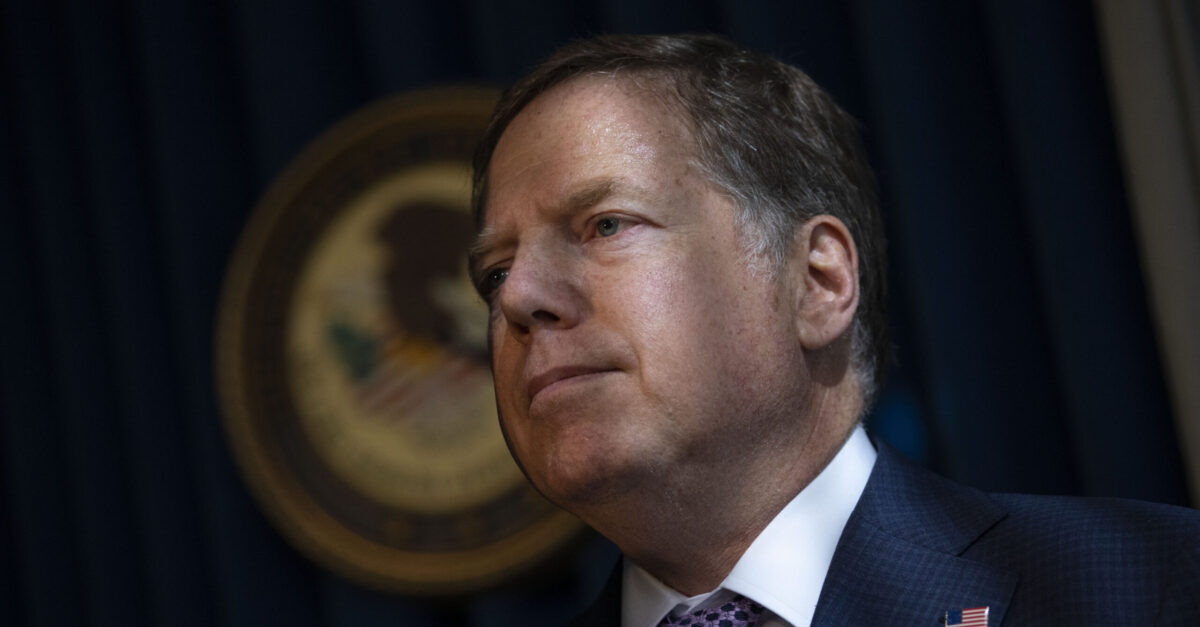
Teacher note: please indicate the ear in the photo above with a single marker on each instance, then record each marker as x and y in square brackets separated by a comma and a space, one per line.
[825, 261]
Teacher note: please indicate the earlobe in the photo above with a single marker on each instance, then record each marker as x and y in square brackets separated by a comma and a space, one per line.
[826, 264]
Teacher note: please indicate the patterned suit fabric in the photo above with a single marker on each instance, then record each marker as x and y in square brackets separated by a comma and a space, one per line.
[919, 545]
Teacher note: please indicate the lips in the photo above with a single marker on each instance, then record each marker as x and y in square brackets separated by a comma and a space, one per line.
[562, 373]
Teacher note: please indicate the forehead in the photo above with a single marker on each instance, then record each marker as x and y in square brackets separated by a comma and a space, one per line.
[587, 127]
[601, 105]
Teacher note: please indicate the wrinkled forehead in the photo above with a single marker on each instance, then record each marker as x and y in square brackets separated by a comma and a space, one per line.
[592, 106]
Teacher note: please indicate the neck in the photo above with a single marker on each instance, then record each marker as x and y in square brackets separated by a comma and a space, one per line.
[690, 544]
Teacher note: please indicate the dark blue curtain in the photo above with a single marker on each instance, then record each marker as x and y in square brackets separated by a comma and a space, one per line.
[135, 138]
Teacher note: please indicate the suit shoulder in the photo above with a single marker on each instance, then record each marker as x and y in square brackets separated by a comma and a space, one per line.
[1075, 560]
[1128, 558]
[1092, 533]
[1078, 522]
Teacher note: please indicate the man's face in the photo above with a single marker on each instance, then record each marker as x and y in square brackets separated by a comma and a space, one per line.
[632, 343]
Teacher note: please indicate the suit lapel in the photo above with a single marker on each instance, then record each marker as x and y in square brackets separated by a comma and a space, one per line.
[897, 562]
[605, 611]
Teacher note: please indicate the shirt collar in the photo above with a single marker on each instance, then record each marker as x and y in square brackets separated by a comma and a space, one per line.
[784, 568]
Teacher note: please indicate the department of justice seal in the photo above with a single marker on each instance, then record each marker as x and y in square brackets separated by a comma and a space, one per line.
[352, 366]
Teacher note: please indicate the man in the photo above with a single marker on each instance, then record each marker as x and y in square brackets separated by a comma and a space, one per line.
[681, 249]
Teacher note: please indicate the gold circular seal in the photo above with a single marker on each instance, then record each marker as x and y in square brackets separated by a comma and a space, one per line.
[351, 360]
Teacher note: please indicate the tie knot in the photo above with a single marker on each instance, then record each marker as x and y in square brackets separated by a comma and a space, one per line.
[737, 612]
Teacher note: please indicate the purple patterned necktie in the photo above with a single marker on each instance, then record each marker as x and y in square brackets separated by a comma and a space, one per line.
[738, 612]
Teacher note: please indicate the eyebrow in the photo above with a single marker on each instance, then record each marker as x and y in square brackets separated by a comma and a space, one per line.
[589, 194]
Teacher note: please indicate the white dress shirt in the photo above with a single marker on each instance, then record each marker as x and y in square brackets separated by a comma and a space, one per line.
[784, 568]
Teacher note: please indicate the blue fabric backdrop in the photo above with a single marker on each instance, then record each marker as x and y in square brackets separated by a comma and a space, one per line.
[136, 136]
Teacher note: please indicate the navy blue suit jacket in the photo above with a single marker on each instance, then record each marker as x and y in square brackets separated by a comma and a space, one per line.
[918, 545]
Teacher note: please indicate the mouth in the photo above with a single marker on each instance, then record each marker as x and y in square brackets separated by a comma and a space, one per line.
[558, 376]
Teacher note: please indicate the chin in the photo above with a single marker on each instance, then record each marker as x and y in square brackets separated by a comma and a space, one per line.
[582, 478]
[584, 459]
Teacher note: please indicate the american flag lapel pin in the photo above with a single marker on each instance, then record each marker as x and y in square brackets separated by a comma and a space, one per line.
[970, 617]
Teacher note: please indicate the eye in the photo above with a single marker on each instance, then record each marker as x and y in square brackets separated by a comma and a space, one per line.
[608, 226]
[491, 281]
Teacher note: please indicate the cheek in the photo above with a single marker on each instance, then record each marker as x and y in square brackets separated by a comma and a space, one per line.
[709, 331]
[676, 317]
[514, 426]
[506, 375]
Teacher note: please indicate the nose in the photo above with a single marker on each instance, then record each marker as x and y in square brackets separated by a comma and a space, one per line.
[542, 292]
